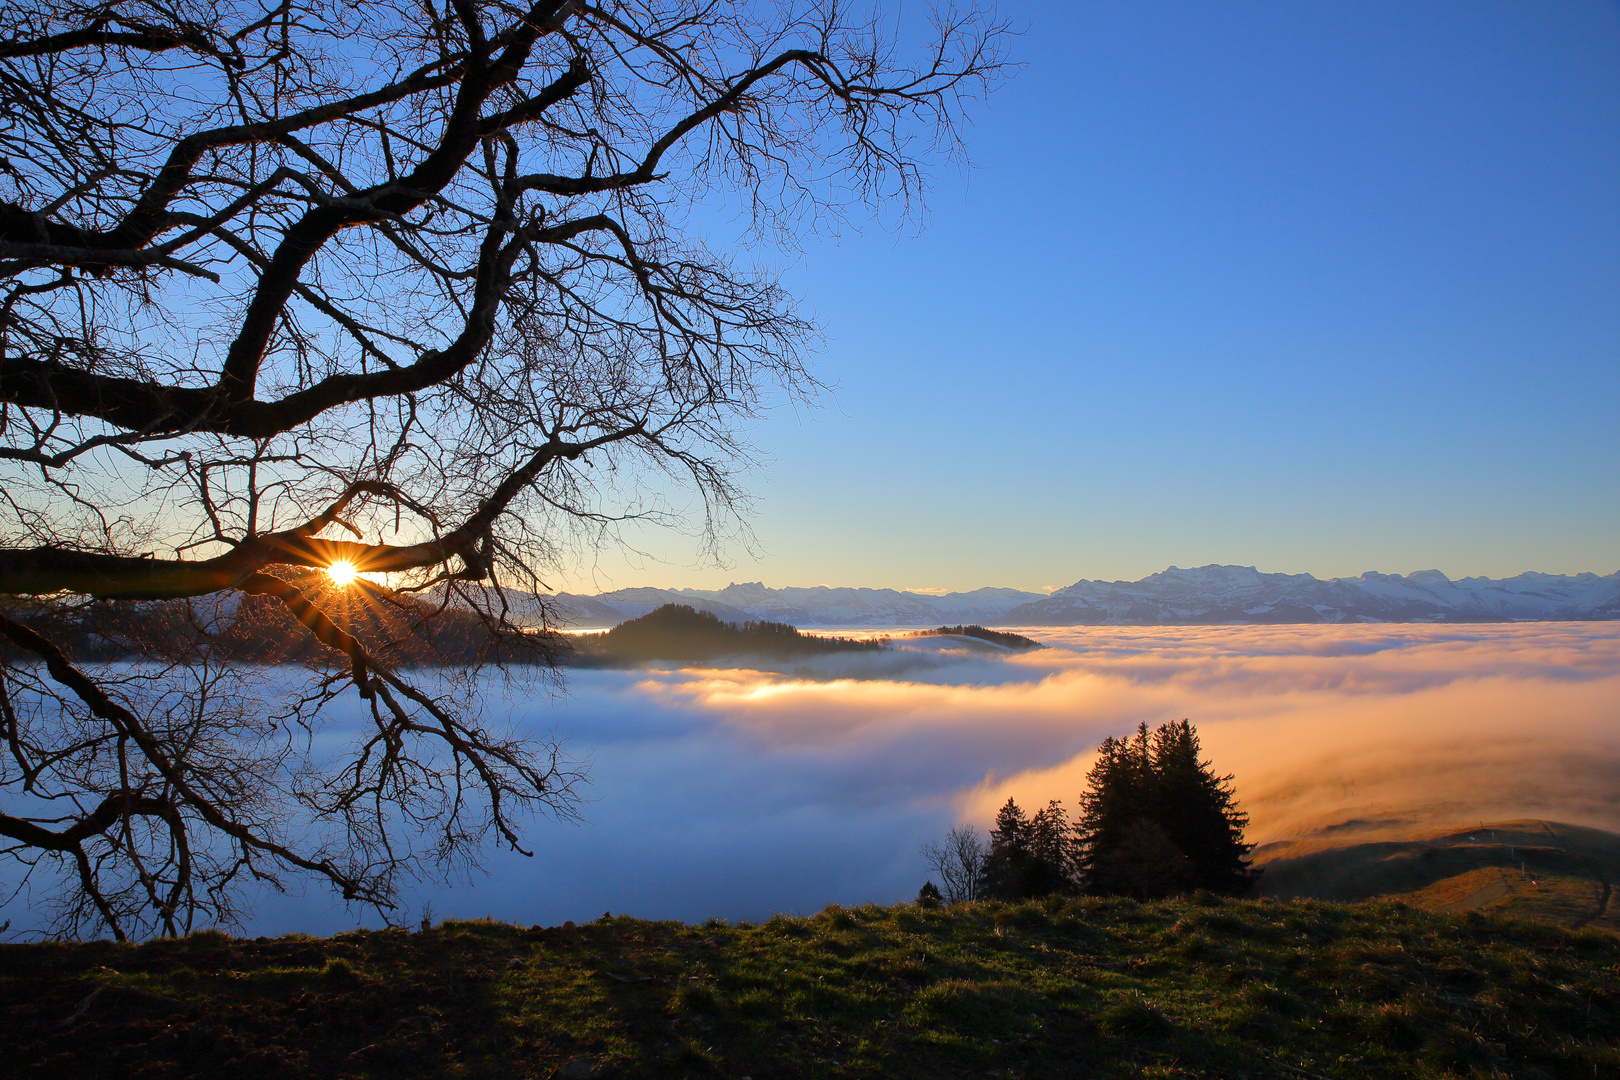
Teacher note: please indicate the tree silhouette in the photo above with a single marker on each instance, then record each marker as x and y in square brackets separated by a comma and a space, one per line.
[1054, 856]
[398, 288]
[1029, 856]
[1199, 812]
[1007, 864]
[959, 862]
[1156, 820]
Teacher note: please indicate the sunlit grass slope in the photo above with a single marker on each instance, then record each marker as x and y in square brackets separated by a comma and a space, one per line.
[1540, 870]
[1198, 987]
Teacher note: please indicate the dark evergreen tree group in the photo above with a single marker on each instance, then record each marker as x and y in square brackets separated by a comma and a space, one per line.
[1155, 820]
[1028, 857]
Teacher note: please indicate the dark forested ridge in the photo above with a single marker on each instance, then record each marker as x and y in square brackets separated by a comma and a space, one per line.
[410, 631]
[995, 637]
[257, 629]
[681, 632]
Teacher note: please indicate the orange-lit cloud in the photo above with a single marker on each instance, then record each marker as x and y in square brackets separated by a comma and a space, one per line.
[1318, 724]
[739, 792]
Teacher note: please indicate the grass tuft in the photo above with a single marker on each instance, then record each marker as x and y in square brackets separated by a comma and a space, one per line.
[1131, 1014]
[338, 969]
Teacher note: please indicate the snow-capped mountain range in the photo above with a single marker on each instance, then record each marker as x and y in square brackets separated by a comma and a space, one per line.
[1241, 594]
[1203, 595]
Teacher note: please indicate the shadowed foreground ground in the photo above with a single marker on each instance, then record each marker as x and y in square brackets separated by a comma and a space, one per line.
[1192, 988]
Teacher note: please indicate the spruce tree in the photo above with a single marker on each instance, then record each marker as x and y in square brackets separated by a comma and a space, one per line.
[1008, 862]
[1053, 853]
[1117, 799]
[1030, 856]
[1156, 820]
[1199, 813]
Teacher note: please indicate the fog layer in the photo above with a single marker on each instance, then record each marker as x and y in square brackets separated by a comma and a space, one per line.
[738, 793]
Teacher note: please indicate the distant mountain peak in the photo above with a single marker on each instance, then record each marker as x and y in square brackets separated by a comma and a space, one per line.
[1214, 593]
[1243, 594]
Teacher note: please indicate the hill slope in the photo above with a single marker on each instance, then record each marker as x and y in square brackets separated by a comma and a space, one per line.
[1545, 871]
[1059, 988]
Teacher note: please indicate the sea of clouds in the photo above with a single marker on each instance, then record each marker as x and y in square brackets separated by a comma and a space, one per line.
[737, 793]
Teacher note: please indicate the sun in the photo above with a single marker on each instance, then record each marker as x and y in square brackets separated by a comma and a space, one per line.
[342, 573]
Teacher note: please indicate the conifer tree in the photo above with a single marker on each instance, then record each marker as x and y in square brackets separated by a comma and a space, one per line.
[1007, 863]
[1053, 853]
[1156, 820]
[1116, 800]
[1030, 856]
[1199, 812]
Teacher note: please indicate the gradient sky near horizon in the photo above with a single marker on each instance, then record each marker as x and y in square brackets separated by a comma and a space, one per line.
[1323, 288]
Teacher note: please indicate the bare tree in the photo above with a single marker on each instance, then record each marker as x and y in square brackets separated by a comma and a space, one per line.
[959, 862]
[423, 275]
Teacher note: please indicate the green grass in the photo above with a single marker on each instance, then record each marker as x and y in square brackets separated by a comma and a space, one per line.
[1059, 988]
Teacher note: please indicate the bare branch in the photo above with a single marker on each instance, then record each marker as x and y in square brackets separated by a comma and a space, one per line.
[400, 286]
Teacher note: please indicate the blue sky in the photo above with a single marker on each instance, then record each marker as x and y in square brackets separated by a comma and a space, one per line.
[1320, 287]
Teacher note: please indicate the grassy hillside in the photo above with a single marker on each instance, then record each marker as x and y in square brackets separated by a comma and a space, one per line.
[1546, 871]
[1198, 987]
